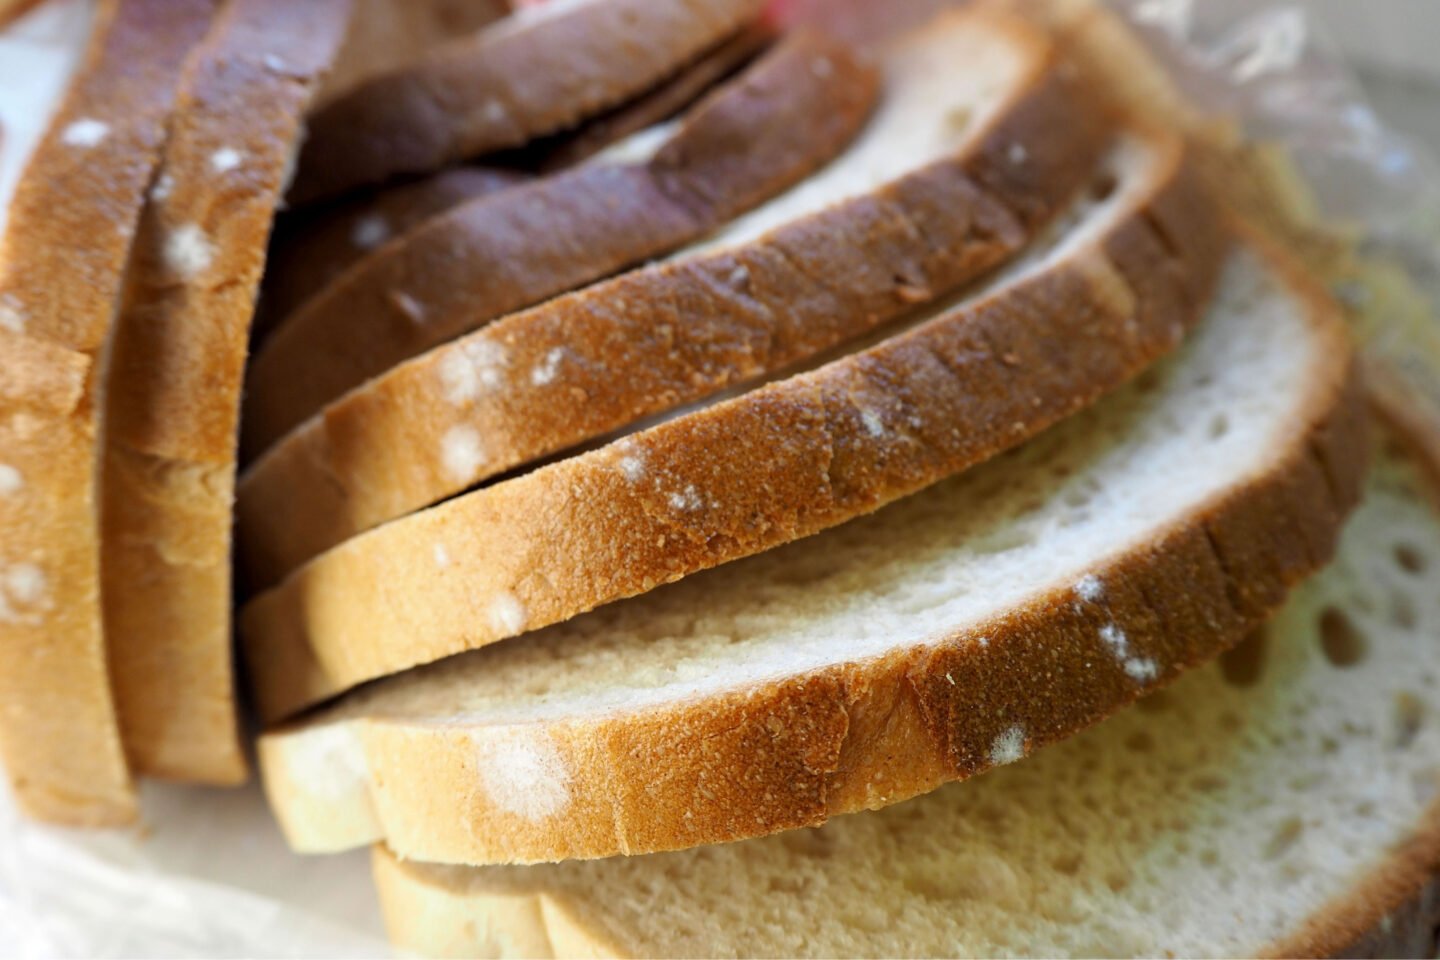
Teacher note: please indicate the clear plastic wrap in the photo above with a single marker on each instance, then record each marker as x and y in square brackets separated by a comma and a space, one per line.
[210, 876]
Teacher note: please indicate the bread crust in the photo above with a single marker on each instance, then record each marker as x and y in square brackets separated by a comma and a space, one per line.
[174, 395]
[505, 86]
[687, 331]
[61, 272]
[744, 143]
[860, 735]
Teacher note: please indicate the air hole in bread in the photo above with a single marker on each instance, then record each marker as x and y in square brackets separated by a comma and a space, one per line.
[1219, 426]
[1244, 664]
[1068, 864]
[1286, 835]
[1117, 880]
[1140, 742]
[1343, 643]
[1104, 187]
[1409, 718]
[1402, 612]
[1410, 559]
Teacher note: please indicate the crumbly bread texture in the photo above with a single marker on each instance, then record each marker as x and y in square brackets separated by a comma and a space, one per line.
[62, 264]
[751, 138]
[313, 246]
[1116, 290]
[1279, 802]
[174, 390]
[542, 70]
[960, 628]
[957, 171]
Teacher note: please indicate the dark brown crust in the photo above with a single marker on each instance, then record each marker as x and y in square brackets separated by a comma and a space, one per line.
[689, 330]
[314, 246]
[749, 140]
[61, 271]
[503, 87]
[173, 399]
[583, 532]
[868, 734]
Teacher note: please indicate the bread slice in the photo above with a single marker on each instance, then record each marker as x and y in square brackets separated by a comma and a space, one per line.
[314, 246]
[797, 107]
[928, 198]
[1281, 802]
[1049, 337]
[61, 267]
[962, 627]
[537, 72]
[174, 391]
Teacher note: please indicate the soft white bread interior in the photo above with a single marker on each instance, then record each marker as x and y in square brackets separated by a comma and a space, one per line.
[959, 628]
[1281, 801]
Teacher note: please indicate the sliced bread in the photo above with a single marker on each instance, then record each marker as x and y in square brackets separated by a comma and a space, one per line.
[751, 138]
[542, 70]
[1282, 802]
[62, 266]
[1116, 287]
[963, 627]
[982, 137]
[174, 390]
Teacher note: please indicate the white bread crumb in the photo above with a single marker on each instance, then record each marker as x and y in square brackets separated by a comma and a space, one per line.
[224, 160]
[524, 774]
[11, 482]
[545, 371]
[508, 613]
[188, 251]
[462, 452]
[332, 765]
[369, 232]
[1009, 746]
[85, 132]
[469, 368]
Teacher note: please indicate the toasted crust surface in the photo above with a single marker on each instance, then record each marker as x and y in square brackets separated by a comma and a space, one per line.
[746, 142]
[61, 272]
[819, 448]
[686, 330]
[174, 394]
[796, 749]
[528, 76]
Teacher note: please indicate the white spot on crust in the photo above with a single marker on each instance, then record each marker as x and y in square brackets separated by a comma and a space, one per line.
[822, 67]
[24, 592]
[412, 309]
[874, 424]
[545, 371]
[327, 761]
[85, 132]
[508, 614]
[1017, 153]
[11, 482]
[164, 186]
[462, 452]
[1115, 639]
[274, 64]
[1139, 669]
[188, 251]
[224, 160]
[470, 367]
[1009, 746]
[687, 499]
[369, 232]
[442, 556]
[633, 468]
[12, 318]
[523, 773]
[1090, 588]
[739, 276]
[495, 111]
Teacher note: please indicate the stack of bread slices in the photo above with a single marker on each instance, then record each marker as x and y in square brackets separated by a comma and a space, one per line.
[669, 447]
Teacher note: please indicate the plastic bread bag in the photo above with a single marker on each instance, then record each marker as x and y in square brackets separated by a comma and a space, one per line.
[209, 875]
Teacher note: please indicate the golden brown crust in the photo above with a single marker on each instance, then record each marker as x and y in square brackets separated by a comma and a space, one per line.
[506, 86]
[14, 9]
[819, 448]
[174, 389]
[862, 735]
[315, 245]
[688, 331]
[746, 142]
[61, 271]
